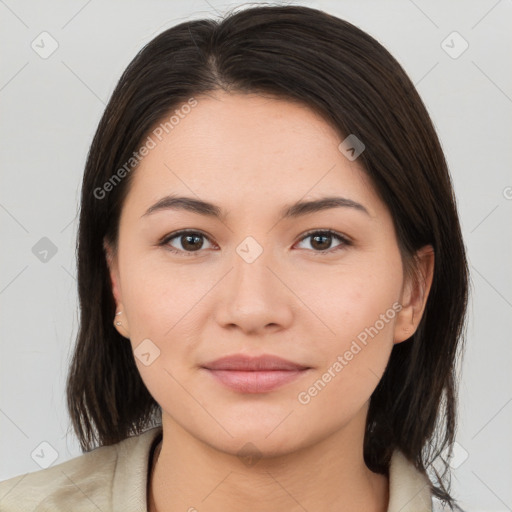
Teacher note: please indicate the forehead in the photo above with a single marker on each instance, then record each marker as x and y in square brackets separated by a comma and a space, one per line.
[246, 148]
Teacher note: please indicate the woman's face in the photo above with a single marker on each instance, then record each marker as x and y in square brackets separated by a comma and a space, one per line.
[254, 281]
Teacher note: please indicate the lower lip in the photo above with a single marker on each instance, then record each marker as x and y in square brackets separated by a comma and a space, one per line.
[255, 381]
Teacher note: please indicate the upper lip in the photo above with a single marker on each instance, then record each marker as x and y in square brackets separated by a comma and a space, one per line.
[242, 362]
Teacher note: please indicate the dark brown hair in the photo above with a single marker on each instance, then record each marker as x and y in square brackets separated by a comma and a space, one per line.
[305, 55]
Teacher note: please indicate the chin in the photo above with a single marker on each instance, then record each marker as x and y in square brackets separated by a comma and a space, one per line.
[251, 448]
[257, 440]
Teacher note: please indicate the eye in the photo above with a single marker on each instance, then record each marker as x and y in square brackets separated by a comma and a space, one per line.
[190, 242]
[322, 239]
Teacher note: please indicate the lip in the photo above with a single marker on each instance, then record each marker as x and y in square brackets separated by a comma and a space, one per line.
[259, 374]
[243, 362]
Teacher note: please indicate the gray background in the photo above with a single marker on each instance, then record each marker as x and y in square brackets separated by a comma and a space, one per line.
[50, 110]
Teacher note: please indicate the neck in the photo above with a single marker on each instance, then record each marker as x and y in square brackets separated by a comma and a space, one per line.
[331, 475]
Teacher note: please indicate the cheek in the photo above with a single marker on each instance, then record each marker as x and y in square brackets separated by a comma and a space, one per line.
[164, 306]
[360, 308]
[341, 390]
[350, 300]
[352, 363]
[159, 295]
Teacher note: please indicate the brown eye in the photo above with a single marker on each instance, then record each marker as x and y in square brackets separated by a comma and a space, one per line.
[191, 242]
[321, 240]
[185, 242]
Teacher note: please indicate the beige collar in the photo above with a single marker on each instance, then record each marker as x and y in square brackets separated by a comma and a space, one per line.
[409, 490]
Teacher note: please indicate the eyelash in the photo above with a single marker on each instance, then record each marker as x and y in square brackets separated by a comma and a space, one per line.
[345, 241]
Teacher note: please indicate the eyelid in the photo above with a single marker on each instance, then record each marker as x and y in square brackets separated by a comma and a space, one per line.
[174, 234]
[346, 239]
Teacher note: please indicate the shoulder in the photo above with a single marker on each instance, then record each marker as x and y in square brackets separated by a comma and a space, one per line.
[409, 489]
[92, 481]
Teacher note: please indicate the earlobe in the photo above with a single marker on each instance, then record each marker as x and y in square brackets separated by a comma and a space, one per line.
[120, 321]
[415, 294]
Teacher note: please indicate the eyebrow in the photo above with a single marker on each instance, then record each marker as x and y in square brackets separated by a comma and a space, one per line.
[294, 210]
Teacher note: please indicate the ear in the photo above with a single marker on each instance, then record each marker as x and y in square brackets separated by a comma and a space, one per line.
[415, 294]
[112, 264]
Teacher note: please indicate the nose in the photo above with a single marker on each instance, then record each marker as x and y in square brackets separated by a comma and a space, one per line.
[256, 296]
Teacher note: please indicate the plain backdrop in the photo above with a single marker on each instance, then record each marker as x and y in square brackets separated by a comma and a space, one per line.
[50, 107]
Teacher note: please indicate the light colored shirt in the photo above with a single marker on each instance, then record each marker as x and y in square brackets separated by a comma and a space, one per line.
[115, 478]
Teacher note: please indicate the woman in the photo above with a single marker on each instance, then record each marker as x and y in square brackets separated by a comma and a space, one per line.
[272, 281]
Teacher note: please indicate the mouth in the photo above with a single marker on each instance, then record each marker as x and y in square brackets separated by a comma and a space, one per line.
[261, 374]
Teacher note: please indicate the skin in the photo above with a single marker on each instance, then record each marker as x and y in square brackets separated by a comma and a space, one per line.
[306, 302]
